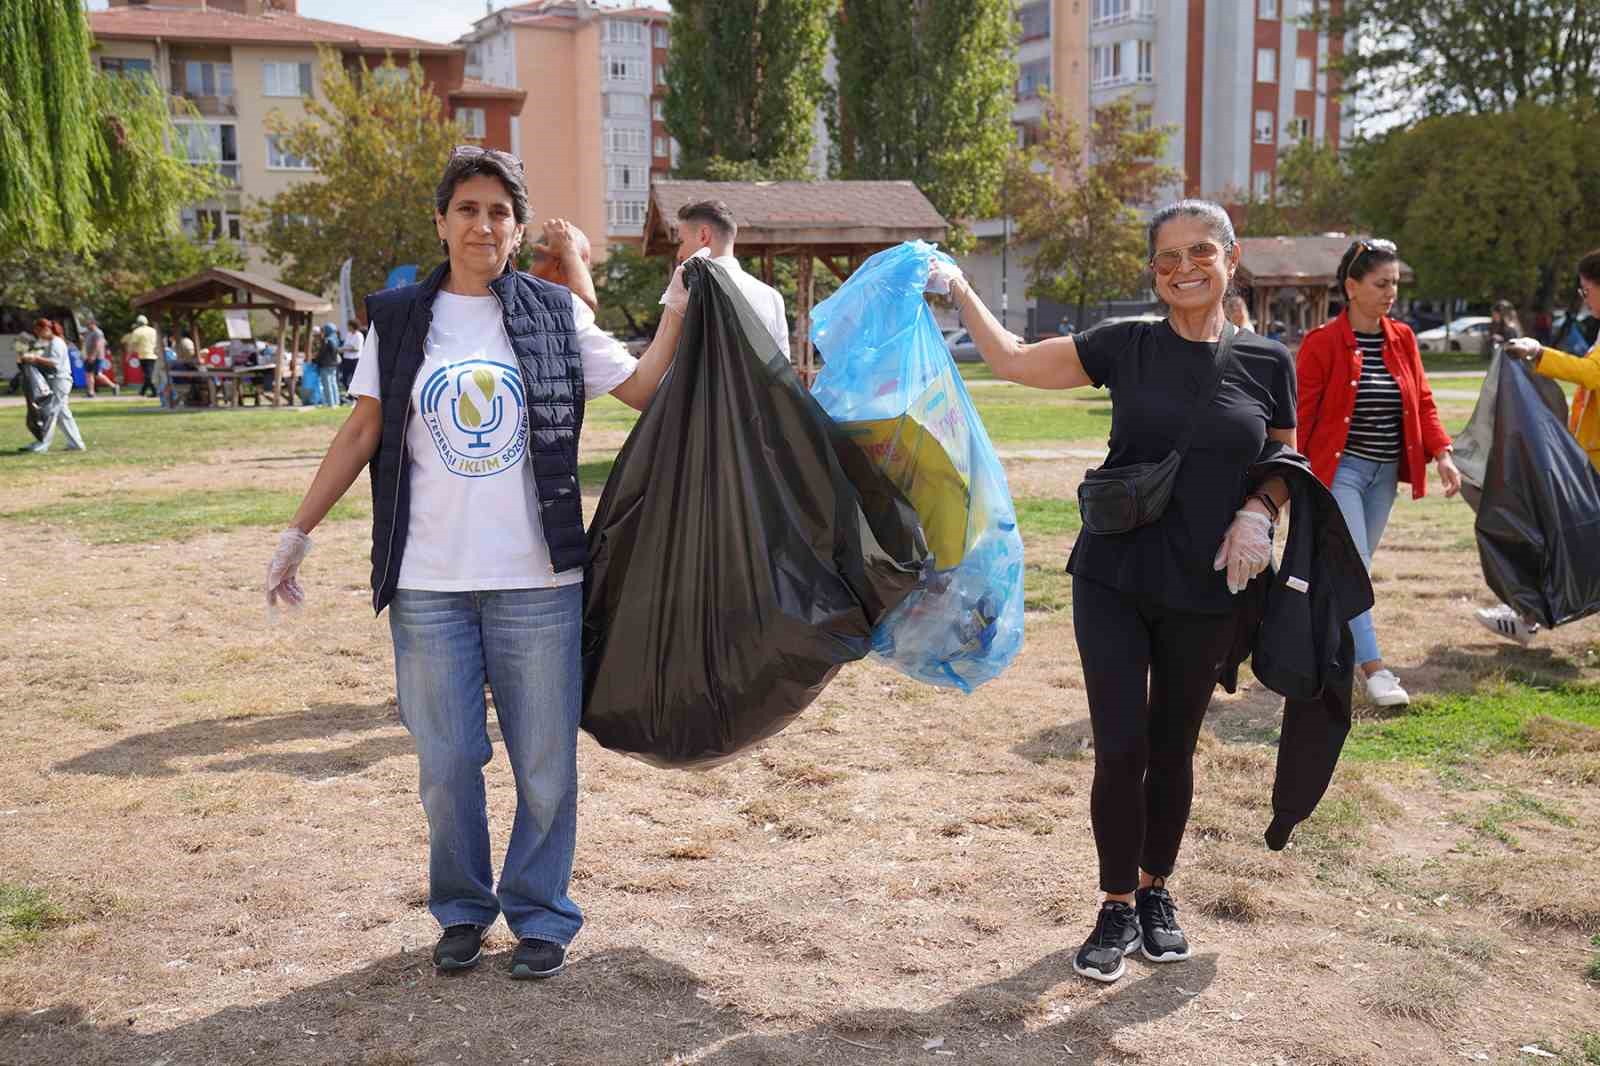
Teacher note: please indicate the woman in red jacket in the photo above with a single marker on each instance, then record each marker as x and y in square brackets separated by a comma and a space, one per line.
[1368, 422]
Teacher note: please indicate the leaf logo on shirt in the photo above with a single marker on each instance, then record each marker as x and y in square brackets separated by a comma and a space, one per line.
[487, 382]
[473, 410]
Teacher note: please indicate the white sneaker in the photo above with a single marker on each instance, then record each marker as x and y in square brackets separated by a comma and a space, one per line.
[1383, 688]
[1502, 621]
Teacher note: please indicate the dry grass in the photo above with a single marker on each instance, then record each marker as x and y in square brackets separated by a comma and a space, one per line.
[1427, 990]
[1551, 898]
[1549, 736]
[1231, 899]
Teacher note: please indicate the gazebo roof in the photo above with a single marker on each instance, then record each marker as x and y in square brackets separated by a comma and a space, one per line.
[1296, 261]
[828, 217]
[216, 288]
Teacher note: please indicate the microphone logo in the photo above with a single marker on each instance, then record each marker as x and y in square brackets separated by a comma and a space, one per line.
[478, 410]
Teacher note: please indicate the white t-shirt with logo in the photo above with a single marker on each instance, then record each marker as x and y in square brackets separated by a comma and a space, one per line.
[474, 508]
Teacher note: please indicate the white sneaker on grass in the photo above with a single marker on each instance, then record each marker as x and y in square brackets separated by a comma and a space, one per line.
[1383, 688]
[1502, 621]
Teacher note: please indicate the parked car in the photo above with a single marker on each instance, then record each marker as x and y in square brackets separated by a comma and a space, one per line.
[962, 347]
[1470, 333]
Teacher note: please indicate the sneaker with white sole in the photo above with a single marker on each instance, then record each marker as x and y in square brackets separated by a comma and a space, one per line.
[1383, 688]
[1116, 934]
[1502, 621]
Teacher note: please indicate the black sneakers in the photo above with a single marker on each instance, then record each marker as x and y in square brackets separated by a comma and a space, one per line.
[1116, 933]
[537, 958]
[1158, 925]
[459, 948]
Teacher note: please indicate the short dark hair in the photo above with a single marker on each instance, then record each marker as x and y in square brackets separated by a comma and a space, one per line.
[1361, 258]
[1589, 267]
[1212, 214]
[465, 164]
[353, 324]
[713, 213]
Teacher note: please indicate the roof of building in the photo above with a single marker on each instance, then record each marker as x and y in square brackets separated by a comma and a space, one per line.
[776, 214]
[1287, 261]
[147, 22]
[217, 286]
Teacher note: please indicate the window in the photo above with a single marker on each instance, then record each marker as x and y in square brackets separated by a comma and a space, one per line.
[628, 177]
[621, 31]
[661, 146]
[389, 75]
[622, 68]
[1261, 184]
[200, 223]
[210, 142]
[1107, 12]
[1263, 127]
[1147, 60]
[621, 104]
[1034, 77]
[1105, 65]
[474, 60]
[1267, 9]
[624, 213]
[1267, 64]
[278, 159]
[1299, 128]
[662, 40]
[1302, 73]
[196, 78]
[658, 110]
[1144, 118]
[286, 79]
[125, 67]
[1306, 8]
[661, 75]
[625, 139]
[473, 119]
[1034, 20]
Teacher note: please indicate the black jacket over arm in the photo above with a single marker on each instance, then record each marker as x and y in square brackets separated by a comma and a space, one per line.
[1293, 624]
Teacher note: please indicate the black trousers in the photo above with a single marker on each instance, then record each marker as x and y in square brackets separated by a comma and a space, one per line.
[148, 387]
[1149, 672]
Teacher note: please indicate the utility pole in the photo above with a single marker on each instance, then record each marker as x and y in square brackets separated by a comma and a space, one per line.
[1005, 242]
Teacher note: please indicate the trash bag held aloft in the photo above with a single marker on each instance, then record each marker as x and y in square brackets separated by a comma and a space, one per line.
[742, 550]
[1475, 442]
[890, 383]
[1538, 500]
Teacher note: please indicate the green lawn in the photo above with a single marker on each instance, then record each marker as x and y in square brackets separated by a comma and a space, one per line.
[1452, 727]
[24, 914]
[143, 517]
[1013, 413]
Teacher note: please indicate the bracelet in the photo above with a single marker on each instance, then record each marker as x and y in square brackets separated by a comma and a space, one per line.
[1272, 507]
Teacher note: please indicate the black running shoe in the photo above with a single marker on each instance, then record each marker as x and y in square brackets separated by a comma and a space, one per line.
[537, 958]
[1116, 933]
[459, 948]
[1158, 925]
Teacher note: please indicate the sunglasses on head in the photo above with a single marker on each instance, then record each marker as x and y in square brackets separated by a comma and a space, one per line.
[472, 151]
[1374, 244]
[1201, 253]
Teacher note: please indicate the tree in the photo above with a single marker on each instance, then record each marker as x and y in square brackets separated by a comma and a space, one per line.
[744, 81]
[925, 95]
[1437, 57]
[1314, 194]
[378, 145]
[84, 158]
[1073, 193]
[629, 286]
[1487, 206]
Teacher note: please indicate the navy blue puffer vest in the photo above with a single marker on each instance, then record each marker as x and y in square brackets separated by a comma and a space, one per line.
[538, 319]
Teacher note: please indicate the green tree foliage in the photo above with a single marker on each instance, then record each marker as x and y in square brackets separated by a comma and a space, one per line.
[1444, 56]
[1487, 206]
[744, 82]
[629, 287]
[84, 158]
[1073, 193]
[378, 144]
[1315, 194]
[925, 95]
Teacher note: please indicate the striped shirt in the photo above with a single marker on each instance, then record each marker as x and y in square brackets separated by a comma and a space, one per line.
[1375, 423]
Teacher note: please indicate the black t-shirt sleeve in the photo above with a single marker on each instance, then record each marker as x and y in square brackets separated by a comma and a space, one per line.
[1284, 391]
[1100, 348]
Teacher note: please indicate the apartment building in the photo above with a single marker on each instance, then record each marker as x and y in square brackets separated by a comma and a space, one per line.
[598, 134]
[236, 61]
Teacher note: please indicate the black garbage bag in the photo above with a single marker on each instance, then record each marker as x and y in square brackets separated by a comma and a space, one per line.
[1476, 441]
[1538, 501]
[742, 551]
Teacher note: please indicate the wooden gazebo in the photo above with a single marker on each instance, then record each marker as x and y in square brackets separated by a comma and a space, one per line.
[837, 223]
[1305, 266]
[218, 289]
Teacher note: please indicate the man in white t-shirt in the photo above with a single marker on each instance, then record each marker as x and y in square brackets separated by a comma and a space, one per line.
[709, 224]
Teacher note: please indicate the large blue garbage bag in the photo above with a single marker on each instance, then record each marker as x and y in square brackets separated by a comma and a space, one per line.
[889, 382]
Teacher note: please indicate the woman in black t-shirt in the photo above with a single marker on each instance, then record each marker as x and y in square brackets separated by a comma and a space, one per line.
[1152, 608]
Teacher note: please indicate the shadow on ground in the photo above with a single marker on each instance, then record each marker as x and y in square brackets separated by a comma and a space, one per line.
[622, 1006]
[368, 733]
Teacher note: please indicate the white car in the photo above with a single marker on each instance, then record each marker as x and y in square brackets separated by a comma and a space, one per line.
[1469, 333]
[963, 349]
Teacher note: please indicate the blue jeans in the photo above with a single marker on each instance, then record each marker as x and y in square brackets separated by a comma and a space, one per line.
[328, 380]
[1365, 492]
[525, 643]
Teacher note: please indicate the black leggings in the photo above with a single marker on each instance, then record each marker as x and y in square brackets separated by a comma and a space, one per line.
[1149, 672]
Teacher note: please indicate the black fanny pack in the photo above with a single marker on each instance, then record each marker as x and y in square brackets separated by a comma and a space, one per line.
[1118, 499]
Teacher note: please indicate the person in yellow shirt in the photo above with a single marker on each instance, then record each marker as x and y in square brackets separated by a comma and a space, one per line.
[141, 341]
[1583, 419]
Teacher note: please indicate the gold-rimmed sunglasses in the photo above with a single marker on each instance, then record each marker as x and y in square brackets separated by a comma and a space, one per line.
[1374, 244]
[1201, 254]
[472, 151]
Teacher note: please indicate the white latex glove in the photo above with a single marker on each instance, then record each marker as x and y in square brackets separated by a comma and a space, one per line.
[283, 571]
[1246, 549]
[941, 275]
[676, 298]
[1524, 348]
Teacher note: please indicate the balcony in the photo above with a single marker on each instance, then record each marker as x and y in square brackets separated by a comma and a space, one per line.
[209, 106]
[1116, 12]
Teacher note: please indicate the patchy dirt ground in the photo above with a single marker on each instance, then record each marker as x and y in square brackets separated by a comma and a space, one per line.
[226, 813]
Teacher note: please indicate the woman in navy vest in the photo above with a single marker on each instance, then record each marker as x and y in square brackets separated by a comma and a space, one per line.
[470, 393]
